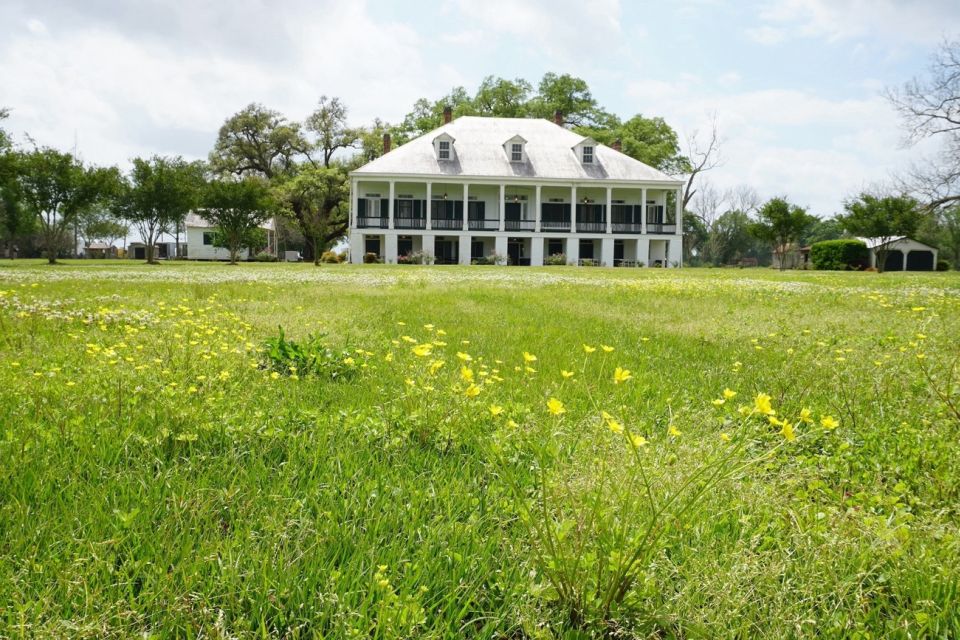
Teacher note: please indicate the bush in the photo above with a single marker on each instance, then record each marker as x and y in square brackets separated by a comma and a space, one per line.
[482, 261]
[840, 255]
[330, 257]
[311, 357]
[263, 256]
[943, 265]
[556, 259]
[371, 258]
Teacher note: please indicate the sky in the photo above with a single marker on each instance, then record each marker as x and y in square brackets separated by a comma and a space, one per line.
[796, 86]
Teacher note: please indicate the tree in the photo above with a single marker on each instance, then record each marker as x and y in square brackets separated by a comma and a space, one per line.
[271, 147]
[883, 218]
[781, 225]
[157, 195]
[15, 220]
[930, 108]
[318, 199]
[56, 189]
[237, 208]
[98, 225]
[703, 154]
[822, 229]
[258, 141]
[329, 123]
[4, 137]
[502, 98]
[571, 97]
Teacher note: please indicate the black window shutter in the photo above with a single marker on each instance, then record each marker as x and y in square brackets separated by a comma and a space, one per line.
[384, 208]
[458, 210]
[361, 207]
[481, 208]
[416, 208]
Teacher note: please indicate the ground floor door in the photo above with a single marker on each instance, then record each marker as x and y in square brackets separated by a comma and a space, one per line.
[404, 245]
[586, 249]
[446, 251]
[617, 251]
[894, 261]
[514, 251]
[372, 245]
[920, 261]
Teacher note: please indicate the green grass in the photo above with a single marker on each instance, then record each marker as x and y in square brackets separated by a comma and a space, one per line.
[160, 477]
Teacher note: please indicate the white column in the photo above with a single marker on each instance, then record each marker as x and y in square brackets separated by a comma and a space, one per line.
[429, 246]
[465, 249]
[536, 251]
[905, 254]
[501, 208]
[643, 211]
[679, 215]
[573, 210]
[500, 247]
[356, 247]
[573, 249]
[610, 218]
[606, 252]
[390, 251]
[643, 251]
[466, 206]
[429, 224]
[353, 205]
[390, 215]
[537, 215]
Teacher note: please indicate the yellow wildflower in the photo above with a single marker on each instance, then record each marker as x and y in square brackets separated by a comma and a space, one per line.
[466, 357]
[718, 402]
[555, 407]
[423, 350]
[729, 394]
[589, 349]
[761, 404]
[495, 410]
[436, 365]
[725, 437]
[615, 426]
[828, 422]
[472, 391]
[529, 357]
[566, 374]
[805, 416]
[638, 441]
[466, 374]
[673, 431]
[787, 431]
[606, 348]
[621, 375]
[408, 339]
[512, 424]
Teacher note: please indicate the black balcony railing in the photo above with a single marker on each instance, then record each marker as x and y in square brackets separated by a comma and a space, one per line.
[627, 227]
[410, 223]
[555, 225]
[488, 224]
[592, 227]
[519, 225]
[446, 223]
[371, 223]
[658, 227]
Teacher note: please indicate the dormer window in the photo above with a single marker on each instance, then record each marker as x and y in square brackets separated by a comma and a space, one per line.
[444, 150]
[443, 147]
[587, 154]
[516, 152]
[515, 149]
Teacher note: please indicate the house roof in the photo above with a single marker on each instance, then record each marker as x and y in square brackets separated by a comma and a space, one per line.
[194, 221]
[479, 153]
[873, 243]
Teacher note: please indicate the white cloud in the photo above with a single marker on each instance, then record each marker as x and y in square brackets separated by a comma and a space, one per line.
[895, 21]
[815, 150]
[766, 35]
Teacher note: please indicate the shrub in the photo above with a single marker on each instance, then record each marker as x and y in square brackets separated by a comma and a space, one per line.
[371, 258]
[482, 261]
[589, 262]
[840, 255]
[419, 257]
[330, 257]
[263, 256]
[310, 357]
[556, 259]
[943, 265]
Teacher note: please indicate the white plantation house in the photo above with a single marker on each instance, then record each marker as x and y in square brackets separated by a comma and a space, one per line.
[199, 240]
[517, 189]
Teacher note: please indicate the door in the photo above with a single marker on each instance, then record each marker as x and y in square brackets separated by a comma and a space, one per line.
[514, 251]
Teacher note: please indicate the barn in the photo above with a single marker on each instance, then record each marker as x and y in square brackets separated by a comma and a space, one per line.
[903, 254]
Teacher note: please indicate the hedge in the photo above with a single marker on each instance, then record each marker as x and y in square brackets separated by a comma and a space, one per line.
[840, 255]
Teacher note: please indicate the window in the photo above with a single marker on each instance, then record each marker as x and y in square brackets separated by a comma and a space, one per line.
[587, 155]
[208, 238]
[444, 149]
[516, 152]
[404, 208]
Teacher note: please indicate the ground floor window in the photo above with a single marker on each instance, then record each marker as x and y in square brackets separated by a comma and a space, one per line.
[404, 245]
[208, 238]
[586, 249]
[372, 245]
[554, 246]
[476, 249]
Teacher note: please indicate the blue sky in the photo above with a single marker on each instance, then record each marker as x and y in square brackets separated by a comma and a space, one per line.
[796, 85]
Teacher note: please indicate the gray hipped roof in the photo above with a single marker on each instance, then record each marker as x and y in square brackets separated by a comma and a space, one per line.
[479, 152]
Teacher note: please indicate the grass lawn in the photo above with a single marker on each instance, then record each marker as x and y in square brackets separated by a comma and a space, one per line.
[477, 452]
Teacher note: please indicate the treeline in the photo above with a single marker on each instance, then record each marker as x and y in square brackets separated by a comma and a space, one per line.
[266, 165]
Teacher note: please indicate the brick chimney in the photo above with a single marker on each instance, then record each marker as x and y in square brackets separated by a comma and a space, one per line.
[447, 115]
[617, 145]
[558, 118]
[386, 143]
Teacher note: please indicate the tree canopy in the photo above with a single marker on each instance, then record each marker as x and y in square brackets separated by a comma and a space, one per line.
[883, 218]
[781, 225]
[237, 208]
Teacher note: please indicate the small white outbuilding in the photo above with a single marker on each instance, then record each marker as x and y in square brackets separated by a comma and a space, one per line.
[903, 254]
[200, 240]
